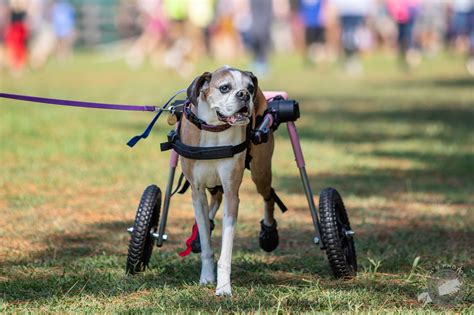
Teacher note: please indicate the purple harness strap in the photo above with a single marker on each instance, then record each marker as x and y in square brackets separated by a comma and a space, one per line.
[54, 101]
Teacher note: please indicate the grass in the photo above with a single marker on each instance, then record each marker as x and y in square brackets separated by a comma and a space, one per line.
[399, 148]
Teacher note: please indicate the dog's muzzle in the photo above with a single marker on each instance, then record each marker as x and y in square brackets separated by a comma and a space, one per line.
[241, 117]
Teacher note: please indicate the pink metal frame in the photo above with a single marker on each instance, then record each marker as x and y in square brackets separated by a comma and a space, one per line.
[295, 141]
[174, 156]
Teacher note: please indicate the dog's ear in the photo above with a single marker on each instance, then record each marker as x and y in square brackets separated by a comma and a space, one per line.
[196, 87]
[255, 83]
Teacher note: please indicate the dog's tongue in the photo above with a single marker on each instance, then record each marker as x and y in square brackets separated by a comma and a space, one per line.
[232, 119]
[238, 118]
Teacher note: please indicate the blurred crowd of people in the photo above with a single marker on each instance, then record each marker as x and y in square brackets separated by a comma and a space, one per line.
[32, 30]
[177, 33]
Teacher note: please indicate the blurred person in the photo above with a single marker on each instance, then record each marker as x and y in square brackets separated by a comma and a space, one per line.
[332, 32]
[43, 40]
[365, 37]
[37, 14]
[462, 26]
[470, 61]
[311, 12]
[242, 20]
[176, 10]
[460, 22]
[201, 15]
[231, 25]
[404, 12]
[297, 26]
[126, 19]
[260, 36]
[16, 36]
[430, 26]
[63, 21]
[4, 18]
[154, 37]
[179, 55]
[352, 15]
[281, 28]
[385, 29]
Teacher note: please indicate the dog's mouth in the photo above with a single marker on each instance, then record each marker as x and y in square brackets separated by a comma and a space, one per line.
[241, 117]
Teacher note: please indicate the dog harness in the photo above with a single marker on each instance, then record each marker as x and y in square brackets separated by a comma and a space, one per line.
[202, 153]
[210, 153]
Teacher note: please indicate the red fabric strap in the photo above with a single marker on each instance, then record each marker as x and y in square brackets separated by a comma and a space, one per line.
[193, 236]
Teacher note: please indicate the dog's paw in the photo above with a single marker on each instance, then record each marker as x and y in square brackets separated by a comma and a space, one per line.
[207, 280]
[268, 238]
[207, 274]
[223, 287]
[224, 290]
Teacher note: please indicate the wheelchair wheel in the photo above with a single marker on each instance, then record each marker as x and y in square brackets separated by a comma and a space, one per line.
[146, 222]
[337, 234]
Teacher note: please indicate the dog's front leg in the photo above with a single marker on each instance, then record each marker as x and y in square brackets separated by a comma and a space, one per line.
[201, 212]
[231, 206]
[216, 200]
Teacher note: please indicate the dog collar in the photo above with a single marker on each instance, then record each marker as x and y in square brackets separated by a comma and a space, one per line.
[201, 124]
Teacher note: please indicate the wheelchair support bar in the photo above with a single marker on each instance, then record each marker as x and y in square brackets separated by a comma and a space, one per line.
[166, 206]
[166, 203]
[295, 142]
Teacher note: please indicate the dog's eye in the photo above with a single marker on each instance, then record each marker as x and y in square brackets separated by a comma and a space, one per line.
[224, 88]
[251, 88]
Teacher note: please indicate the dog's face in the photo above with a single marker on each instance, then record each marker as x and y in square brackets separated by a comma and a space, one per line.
[229, 92]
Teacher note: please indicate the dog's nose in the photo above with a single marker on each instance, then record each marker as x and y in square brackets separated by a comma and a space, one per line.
[243, 95]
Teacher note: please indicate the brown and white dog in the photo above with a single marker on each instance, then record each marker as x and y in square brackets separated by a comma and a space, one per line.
[226, 96]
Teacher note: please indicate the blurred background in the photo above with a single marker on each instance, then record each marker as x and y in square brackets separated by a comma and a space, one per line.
[386, 94]
[178, 34]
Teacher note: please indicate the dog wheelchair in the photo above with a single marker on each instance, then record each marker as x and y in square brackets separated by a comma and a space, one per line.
[331, 224]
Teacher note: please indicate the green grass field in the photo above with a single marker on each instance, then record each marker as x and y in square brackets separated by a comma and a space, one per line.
[399, 147]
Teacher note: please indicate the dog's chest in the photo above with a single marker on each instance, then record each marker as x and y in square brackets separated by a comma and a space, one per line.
[211, 173]
[206, 173]
[217, 172]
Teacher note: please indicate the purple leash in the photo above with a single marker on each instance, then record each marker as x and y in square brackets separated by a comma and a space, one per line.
[54, 101]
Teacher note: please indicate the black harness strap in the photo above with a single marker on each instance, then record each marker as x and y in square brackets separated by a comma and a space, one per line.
[280, 204]
[202, 153]
[185, 187]
[181, 187]
[248, 159]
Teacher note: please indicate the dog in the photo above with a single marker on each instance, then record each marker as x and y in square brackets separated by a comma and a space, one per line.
[226, 96]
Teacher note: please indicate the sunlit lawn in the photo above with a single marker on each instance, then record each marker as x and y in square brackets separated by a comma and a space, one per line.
[398, 146]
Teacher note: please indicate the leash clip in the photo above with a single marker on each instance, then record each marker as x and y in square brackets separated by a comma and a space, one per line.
[172, 119]
[159, 111]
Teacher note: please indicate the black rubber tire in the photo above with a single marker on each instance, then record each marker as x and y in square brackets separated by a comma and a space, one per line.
[340, 248]
[146, 220]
